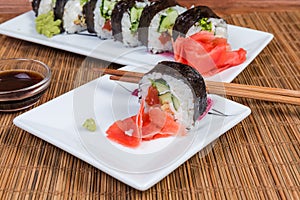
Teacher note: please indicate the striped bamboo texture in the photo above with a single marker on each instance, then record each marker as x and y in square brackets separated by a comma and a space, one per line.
[222, 7]
[257, 159]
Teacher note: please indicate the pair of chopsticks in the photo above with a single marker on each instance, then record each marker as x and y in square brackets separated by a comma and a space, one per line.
[220, 88]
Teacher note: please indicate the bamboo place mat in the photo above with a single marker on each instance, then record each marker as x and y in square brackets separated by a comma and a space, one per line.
[257, 159]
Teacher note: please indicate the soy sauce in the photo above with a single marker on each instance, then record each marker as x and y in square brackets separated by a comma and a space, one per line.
[15, 80]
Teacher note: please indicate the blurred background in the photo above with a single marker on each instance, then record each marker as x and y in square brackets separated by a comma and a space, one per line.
[221, 7]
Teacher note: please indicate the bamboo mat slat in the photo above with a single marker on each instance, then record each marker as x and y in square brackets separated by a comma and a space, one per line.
[222, 7]
[257, 159]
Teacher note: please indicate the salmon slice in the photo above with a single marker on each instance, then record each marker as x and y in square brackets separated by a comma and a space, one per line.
[124, 132]
[145, 126]
[154, 122]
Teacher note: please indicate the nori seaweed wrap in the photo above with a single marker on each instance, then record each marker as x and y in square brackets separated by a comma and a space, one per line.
[88, 12]
[35, 4]
[59, 9]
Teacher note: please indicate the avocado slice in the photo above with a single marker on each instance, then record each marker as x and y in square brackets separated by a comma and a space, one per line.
[168, 98]
[165, 98]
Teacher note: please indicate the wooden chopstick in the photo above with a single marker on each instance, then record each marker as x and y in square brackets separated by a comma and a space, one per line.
[129, 79]
[118, 72]
[220, 88]
[266, 90]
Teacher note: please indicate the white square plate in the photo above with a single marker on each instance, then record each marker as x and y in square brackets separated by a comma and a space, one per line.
[23, 27]
[60, 120]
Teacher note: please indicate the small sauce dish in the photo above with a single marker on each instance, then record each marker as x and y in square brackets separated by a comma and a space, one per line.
[22, 83]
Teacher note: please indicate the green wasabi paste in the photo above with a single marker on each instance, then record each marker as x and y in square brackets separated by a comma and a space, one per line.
[46, 25]
[90, 124]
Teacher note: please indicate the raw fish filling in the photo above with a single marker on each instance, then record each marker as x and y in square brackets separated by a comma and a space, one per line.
[145, 126]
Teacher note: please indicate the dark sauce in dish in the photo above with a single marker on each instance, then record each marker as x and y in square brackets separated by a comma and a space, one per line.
[15, 80]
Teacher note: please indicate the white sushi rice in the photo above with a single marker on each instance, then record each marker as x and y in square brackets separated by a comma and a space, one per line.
[99, 22]
[185, 113]
[219, 27]
[71, 18]
[46, 6]
[129, 39]
[154, 43]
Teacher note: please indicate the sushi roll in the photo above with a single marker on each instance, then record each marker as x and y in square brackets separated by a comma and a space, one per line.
[73, 18]
[42, 6]
[172, 100]
[156, 24]
[102, 18]
[196, 19]
[177, 89]
[125, 21]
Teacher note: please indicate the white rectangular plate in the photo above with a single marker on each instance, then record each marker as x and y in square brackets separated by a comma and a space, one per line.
[59, 122]
[22, 27]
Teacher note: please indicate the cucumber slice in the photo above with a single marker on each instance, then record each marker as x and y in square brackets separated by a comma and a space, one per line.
[82, 2]
[135, 15]
[167, 22]
[162, 81]
[161, 85]
[164, 23]
[106, 8]
[176, 102]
